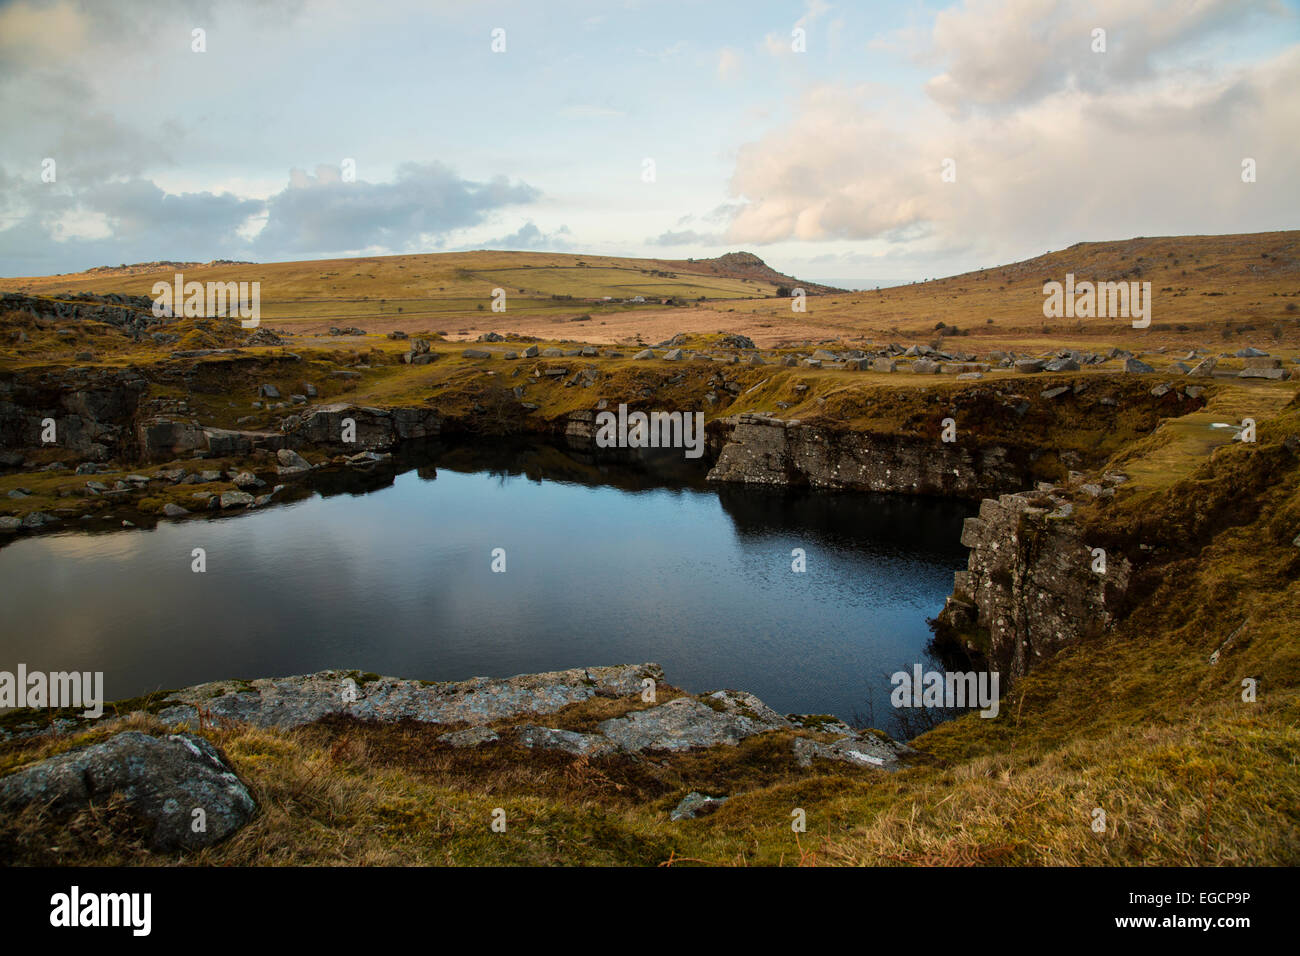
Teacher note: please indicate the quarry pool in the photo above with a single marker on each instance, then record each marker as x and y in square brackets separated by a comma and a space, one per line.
[392, 572]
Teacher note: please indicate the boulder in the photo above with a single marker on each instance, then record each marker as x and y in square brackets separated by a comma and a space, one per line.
[162, 779]
[1029, 366]
[1204, 368]
[1263, 361]
[1137, 367]
[289, 458]
[1061, 365]
[643, 355]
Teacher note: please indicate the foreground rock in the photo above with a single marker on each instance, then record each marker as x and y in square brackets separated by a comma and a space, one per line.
[695, 804]
[723, 717]
[164, 780]
[295, 701]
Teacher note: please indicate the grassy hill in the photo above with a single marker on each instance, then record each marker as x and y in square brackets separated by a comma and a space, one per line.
[1206, 290]
[442, 285]
[1230, 284]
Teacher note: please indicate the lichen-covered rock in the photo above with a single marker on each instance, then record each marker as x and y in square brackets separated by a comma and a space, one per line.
[163, 779]
[570, 741]
[860, 750]
[723, 717]
[294, 701]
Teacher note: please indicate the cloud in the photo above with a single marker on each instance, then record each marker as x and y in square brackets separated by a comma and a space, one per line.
[1158, 152]
[528, 236]
[687, 237]
[46, 228]
[320, 213]
[1004, 52]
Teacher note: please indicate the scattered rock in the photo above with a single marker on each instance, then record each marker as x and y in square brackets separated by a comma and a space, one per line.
[163, 780]
[288, 458]
[549, 738]
[236, 499]
[696, 804]
[470, 737]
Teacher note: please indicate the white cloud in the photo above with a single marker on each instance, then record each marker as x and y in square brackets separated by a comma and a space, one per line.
[1041, 160]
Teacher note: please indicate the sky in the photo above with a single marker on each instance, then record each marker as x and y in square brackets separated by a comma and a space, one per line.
[850, 143]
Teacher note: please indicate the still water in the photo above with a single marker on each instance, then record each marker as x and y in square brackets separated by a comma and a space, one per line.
[391, 572]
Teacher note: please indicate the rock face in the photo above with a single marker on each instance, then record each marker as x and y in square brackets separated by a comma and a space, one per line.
[1030, 584]
[763, 450]
[294, 701]
[377, 429]
[164, 780]
[93, 410]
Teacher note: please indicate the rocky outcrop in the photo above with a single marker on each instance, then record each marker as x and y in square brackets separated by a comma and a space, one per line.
[92, 410]
[1033, 584]
[294, 701]
[322, 426]
[376, 429]
[180, 787]
[723, 717]
[760, 449]
[132, 314]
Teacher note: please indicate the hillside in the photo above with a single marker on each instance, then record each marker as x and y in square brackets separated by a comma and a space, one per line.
[1205, 290]
[1220, 285]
